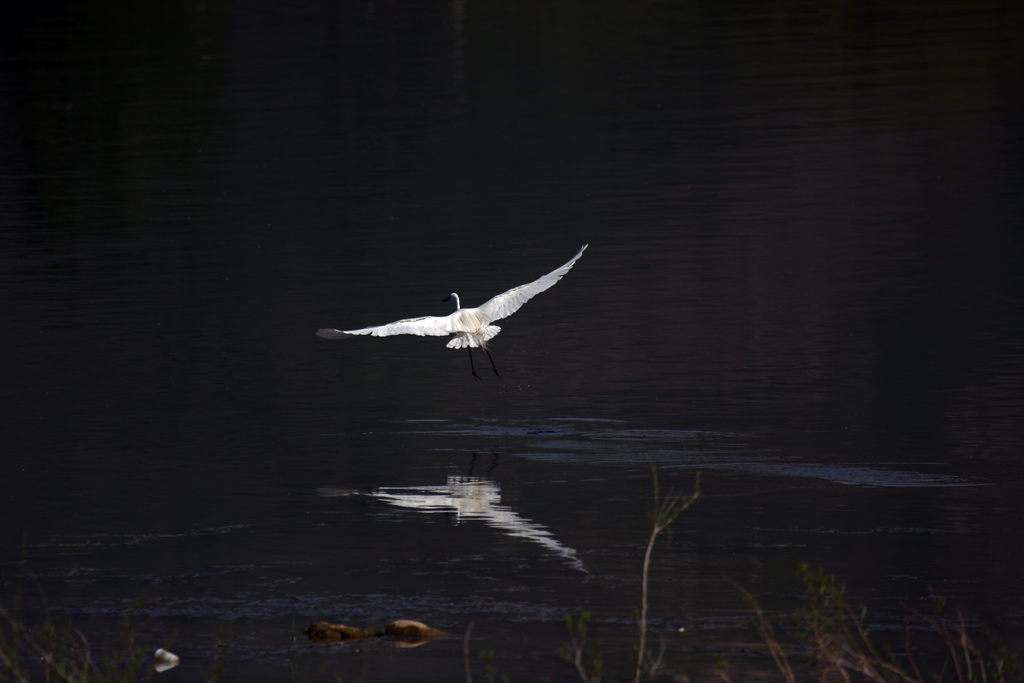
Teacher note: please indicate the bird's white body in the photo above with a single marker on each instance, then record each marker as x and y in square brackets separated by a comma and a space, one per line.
[471, 326]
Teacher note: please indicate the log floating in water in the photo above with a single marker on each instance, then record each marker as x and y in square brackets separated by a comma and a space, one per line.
[324, 633]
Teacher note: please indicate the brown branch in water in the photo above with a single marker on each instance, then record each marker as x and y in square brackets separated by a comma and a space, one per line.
[465, 653]
[766, 633]
[664, 513]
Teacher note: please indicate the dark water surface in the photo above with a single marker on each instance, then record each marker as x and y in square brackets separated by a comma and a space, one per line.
[803, 281]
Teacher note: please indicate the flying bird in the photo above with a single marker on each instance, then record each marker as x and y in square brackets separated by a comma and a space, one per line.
[471, 326]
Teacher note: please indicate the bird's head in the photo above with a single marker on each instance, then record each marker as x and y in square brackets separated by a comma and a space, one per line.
[453, 297]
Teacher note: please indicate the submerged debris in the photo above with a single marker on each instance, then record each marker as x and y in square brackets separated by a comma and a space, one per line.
[403, 633]
[324, 633]
[405, 628]
[407, 633]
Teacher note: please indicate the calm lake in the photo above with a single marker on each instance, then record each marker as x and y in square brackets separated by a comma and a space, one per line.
[803, 282]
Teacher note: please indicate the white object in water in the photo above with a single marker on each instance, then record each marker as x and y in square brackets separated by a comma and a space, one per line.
[165, 660]
[471, 326]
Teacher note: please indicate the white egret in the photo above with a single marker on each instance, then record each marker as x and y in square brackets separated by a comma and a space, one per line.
[471, 326]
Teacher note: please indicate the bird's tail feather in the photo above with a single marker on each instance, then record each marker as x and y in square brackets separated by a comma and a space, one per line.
[462, 340]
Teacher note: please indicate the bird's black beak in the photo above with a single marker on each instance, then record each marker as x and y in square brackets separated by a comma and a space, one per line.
[447, 298]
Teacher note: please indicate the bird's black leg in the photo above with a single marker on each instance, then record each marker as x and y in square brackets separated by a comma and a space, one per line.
[475, 376]
[492, 362]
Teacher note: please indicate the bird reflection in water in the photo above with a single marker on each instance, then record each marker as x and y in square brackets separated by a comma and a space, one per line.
[468, 498]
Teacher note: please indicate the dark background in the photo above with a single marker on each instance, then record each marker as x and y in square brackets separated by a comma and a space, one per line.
[803, 279]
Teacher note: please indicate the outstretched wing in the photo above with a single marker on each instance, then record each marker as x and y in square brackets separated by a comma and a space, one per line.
[504, 305]
[430, 326]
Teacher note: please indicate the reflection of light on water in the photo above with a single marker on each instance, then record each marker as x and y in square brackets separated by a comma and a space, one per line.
[595, 444]
[470, 498]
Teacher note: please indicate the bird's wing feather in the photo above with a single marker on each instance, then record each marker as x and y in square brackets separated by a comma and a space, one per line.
[511, 301]
[429, 325]
[328, 333]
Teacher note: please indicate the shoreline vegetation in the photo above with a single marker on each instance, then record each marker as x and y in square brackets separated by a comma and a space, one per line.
[826, 640]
